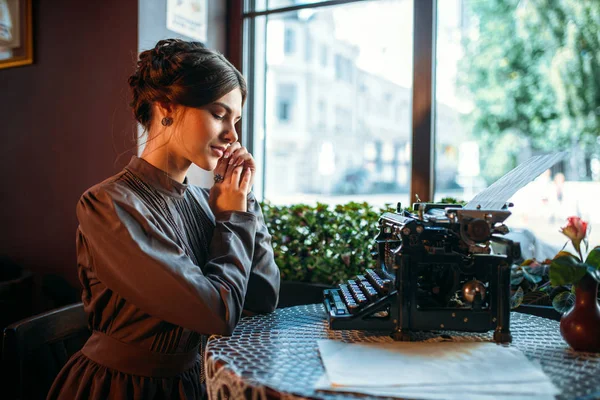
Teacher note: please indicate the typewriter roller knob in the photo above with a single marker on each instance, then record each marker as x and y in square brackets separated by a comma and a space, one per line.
[478, 230]
[471, 288]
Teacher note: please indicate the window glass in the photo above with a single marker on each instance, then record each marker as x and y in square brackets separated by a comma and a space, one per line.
[331, 133]
[516, 79]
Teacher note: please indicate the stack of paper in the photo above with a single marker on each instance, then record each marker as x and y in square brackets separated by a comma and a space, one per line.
[442, 370]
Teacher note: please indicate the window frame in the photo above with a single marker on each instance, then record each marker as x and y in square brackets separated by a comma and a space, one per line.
[241, 18]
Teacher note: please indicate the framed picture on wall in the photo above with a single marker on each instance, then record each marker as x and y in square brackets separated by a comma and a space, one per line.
[16, 33]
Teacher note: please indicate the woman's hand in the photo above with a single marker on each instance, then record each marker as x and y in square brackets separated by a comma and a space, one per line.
[239, 155]
[233, 180]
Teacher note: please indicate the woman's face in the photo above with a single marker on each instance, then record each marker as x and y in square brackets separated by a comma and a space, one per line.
[204, 133]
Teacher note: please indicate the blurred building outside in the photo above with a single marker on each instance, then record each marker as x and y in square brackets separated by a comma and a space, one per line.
[336, 132]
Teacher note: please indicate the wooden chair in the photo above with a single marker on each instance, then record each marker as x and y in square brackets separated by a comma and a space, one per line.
[35, 349]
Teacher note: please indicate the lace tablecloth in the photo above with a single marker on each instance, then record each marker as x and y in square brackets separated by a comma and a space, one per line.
[276, 355]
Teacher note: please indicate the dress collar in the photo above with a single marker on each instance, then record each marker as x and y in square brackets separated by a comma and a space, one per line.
[157, 178]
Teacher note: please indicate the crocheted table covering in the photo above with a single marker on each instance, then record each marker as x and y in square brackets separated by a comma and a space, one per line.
[276, 355]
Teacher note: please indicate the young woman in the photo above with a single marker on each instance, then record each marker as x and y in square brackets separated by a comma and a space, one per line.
[164, 263]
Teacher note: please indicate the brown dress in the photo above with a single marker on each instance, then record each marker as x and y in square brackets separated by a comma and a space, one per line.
[159, 272]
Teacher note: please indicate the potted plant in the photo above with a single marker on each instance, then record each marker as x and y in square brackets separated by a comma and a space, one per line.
[319, 246]
[533, 293]
[580, 326]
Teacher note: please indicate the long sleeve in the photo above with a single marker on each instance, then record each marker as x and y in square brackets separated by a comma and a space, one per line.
[263, 287]
[137, 259]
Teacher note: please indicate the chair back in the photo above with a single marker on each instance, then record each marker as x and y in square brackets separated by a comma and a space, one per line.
[35, 349]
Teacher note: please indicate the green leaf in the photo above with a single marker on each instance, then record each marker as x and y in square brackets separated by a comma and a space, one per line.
[321, 243]
[563, 302]
[516, 277]
[517, 298]
[593, 259]
[531, 276]
[566, 269]
[593, 271]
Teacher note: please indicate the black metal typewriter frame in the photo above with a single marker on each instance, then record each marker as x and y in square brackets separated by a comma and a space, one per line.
[404, 314]
[493, 268]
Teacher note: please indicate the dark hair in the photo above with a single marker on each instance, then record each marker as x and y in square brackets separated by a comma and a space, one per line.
[182, 73]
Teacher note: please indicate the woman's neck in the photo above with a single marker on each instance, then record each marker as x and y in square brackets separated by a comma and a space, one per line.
[175, 167]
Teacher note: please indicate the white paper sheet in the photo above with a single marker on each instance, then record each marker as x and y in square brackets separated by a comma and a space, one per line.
[436, 370]
[507, 391]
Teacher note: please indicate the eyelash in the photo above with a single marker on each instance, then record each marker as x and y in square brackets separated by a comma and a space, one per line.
[220, 118]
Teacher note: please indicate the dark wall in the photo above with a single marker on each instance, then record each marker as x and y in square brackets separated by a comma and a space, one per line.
[64, 125]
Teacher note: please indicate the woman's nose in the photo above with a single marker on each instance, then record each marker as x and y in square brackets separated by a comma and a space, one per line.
[231, 136]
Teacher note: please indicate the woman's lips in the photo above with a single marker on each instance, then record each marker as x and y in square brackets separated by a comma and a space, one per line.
[218, 151]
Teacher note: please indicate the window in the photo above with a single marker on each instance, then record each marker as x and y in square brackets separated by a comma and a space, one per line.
[339, 73]
[289, 41]
[343, 68]
[493, 115]
[308, 48]
[283, 110]
[502, 85]
[324, 56]
[327, 123]
[343, 119]
[322, 110]
[286, 94]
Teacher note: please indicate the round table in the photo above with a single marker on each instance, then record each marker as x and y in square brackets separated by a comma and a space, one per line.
[276, 355]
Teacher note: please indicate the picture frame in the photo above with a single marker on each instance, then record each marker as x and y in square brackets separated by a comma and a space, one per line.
[16, 33]
[188, 18]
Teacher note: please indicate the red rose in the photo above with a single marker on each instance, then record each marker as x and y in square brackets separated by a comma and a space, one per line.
[575, 230]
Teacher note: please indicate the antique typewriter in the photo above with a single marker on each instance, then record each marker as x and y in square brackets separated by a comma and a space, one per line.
[439, 267]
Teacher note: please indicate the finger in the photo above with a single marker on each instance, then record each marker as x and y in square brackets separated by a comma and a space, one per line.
[229, 172]
[246, 159]
[240, 152]
[250, 163]
[224, 163]
[235, 177]
[221, 168]
[245, 181]
[233, 147]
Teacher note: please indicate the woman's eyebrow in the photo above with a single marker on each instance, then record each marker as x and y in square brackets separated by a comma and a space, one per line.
[226, 107]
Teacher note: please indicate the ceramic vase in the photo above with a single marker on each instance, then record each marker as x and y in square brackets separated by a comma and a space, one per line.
[580, 326]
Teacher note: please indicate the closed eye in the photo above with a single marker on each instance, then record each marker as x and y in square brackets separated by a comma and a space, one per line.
[218, 117]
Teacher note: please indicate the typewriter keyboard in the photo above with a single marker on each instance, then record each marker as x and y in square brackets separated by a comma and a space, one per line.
[364, 289]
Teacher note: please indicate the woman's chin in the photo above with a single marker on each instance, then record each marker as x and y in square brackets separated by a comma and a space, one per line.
[212, 164]
[206, 164]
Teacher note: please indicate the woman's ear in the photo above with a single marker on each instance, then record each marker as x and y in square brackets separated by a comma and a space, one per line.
[163, 110]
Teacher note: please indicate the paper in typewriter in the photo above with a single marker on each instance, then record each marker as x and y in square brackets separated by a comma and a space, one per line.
[432, 370]
[498, 193]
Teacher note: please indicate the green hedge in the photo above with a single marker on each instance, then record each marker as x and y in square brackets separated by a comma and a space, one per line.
[323, 244]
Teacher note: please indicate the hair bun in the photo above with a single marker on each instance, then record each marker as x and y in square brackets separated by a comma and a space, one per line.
[180, 72]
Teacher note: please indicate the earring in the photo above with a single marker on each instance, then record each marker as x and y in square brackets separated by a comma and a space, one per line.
[167, 121]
